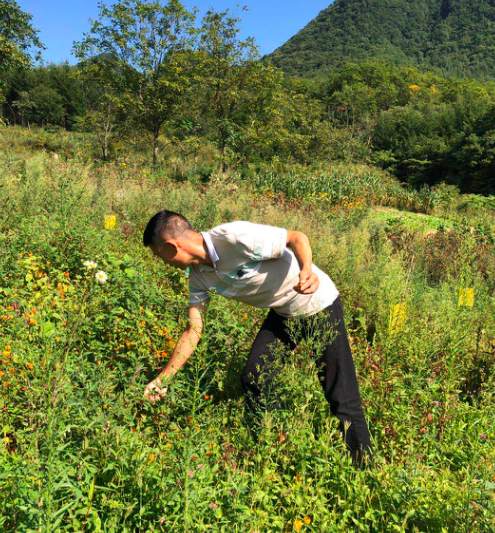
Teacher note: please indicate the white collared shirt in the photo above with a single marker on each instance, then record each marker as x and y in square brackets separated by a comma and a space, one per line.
[252, 263]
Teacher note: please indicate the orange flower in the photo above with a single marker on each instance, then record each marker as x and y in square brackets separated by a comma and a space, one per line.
[61, 290]
[30, 366]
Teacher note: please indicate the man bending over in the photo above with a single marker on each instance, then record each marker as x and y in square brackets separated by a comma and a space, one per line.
[264, 266]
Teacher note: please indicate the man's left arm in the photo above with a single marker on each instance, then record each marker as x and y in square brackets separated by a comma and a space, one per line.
[298, 242]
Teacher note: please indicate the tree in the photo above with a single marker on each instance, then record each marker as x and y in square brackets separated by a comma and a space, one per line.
[145, 39]
[105, 114]
[42, 105]
[229, 73]
[31, 92]
[17, 38]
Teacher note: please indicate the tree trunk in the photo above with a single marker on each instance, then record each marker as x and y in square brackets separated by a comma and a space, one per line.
[156, 132]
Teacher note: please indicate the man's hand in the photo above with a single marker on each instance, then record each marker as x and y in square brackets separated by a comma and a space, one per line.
[308, 282]
[299, 243]
[155, 390]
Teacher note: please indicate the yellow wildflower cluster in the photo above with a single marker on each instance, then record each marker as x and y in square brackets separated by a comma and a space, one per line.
[298, 523]
[466, 297]
[414, 88]
[110, 222]
[397, 317]
[352, 203]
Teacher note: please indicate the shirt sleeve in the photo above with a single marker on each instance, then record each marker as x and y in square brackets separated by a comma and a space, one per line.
[260, 241]
[197, 294]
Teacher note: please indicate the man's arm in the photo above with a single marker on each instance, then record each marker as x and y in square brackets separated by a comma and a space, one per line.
[182, 351]
[298, 242]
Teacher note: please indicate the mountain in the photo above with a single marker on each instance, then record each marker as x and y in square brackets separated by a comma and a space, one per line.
[457, 37]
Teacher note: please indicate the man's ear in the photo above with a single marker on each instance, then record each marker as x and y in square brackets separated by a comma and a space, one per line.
[170, 247]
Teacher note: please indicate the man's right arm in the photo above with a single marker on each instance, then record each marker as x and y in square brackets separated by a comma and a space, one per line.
[183, 349]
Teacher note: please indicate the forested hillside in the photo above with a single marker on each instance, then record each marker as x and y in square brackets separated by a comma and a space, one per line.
[455, 36]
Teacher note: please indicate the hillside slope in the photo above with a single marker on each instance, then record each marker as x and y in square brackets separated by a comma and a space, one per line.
[456, 36]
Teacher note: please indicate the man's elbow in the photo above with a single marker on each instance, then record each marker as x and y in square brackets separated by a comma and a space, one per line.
[294, 237]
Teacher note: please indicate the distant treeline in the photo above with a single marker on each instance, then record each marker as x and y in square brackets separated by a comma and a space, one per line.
[151, 72]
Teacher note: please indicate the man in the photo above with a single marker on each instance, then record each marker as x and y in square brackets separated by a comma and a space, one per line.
[265, 266]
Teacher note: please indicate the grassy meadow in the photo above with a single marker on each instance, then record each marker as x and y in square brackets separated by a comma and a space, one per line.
[80, 450]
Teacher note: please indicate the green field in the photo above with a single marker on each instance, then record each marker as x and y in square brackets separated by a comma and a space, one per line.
[82, 451]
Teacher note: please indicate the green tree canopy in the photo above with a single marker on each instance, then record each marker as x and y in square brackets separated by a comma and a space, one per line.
[17, 36]
[146, 39]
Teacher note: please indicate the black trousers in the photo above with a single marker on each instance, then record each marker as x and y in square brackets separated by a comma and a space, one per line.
[335, 368]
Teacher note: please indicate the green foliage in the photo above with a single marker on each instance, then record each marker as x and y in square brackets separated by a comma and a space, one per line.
[50, 95]
[229, 78]
[81, 450]
[455, 37]
[152, 76]
[145, 39]
[17, 36]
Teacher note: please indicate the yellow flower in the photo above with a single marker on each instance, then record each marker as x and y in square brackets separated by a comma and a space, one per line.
[298, 524]
[397, 317]
[151, 457]
[307, 520]
[466, 297]
[110, 222]
[413, 87]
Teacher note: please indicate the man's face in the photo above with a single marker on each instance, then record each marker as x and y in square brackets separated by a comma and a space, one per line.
[172, 254]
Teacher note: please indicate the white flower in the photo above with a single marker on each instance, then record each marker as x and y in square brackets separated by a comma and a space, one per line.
[90, 265]
[101, 277]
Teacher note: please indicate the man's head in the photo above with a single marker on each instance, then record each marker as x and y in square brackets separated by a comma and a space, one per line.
[171, 237]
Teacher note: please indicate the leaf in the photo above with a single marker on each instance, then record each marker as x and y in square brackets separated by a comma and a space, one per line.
[91, 490]
[130, 272]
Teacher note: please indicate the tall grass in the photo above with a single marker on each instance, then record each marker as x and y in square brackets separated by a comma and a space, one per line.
[81, 450]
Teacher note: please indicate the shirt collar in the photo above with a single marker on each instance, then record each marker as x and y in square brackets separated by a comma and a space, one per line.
[211, 252]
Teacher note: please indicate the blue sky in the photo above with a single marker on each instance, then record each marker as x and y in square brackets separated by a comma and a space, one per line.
[270, 22]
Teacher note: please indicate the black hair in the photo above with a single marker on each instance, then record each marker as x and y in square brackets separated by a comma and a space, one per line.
[165, 224]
